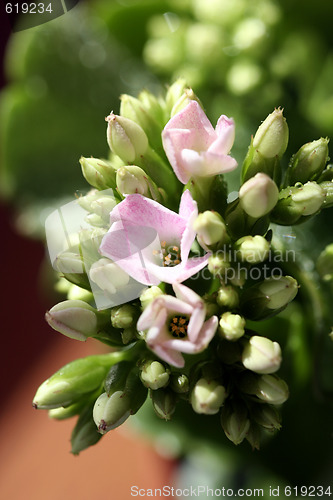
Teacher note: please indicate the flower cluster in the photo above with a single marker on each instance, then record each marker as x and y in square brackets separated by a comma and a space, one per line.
[161, 270]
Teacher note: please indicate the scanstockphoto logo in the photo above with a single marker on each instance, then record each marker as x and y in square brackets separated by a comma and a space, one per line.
[79, 250]
[74, 234]
[23, 15]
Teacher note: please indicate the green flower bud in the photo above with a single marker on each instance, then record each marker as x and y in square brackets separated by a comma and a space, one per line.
[232, 326]
[327, 174]
[268, 297]
[258, 196]
[261, 355]
[68, 412]
[100, 174]
[74, 381]
[211, 230]
[272, 389]
[235, 421]
[252, 249]
[297, 202]
[308, 163]
[108, 275]
[267, 416]
[267, 147]
[227, 296]
[271, 138]
[75, 319]
[309, 198]
[111, 411]
[154, 375]
[179, 383]
[164, 403]
[218, 264]
[327, 187]
[84, 433]
[325, 263]
[126, 138]
[149, 295]
[69, 263]
[124, 396]
[153, 106]
[183, 101]
[253, 436]
[135, 110]
[102, 206]
[175, 92]
[124, 316]
[207, 396]
[132, 179]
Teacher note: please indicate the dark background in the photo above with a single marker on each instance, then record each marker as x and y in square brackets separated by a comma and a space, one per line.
[24, 332]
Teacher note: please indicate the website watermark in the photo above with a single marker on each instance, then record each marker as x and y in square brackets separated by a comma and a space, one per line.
[202, 491]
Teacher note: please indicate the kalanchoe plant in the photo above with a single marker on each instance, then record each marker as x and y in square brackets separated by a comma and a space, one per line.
[127, 261]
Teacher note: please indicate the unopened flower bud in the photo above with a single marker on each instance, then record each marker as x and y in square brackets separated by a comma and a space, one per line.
[252, 249]
[99, 173]
[309, 162]
[175, 92]
[227, 296]
[108, 275]
[207, 396]
[183, 101]
[258, 196]
[268, 297]
[124, 316]
[253, 436]
[69, 263]
[126, 138]
[272, 389]
[235, 421]
[68, 412]
[308, 198]
[74, 381]
[154, 375]
[261, 355]
[325, 263]
[271, 138]
[75, 319]
[218, 264]
[111, 411]
[297, 202]
[179, 383]
[232, 326]
[164, 403]
[327, 187]
[211, 230]
[149, 295]
[267, 416]
[132, 179]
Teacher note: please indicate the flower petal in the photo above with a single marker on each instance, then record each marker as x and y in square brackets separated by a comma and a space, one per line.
[180, 272]
[142, 211]
[172, 357]
[225, 130]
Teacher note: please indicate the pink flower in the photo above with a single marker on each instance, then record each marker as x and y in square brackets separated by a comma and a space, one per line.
[194, 148]
[176, 325]
[152, 243]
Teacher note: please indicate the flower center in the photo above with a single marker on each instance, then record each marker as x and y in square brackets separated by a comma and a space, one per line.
[170, 255]
[178, 326]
